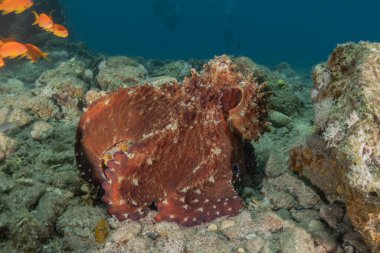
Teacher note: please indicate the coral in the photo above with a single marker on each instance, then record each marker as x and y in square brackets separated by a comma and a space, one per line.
[322, 112]
[333, 133]
[177, 146]
[322, 76]
[352, 119]
[343, 159]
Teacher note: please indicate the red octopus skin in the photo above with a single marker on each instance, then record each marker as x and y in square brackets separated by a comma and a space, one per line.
[174, 145]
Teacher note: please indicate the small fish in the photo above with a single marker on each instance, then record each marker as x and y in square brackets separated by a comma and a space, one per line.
[44, 21]
[60, 31]
[34, 53]
[2, 63]
[12, 49]
[17, 6]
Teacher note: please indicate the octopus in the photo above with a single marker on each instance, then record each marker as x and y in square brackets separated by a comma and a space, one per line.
[177, 148]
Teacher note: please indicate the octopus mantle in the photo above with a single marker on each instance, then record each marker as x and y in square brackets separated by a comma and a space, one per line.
[176, 146]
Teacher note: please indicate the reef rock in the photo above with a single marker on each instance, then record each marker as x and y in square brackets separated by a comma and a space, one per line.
[178, 147]
[7, 146]
[177, 69]
[119, 71]
[71, 68]
[342, 157]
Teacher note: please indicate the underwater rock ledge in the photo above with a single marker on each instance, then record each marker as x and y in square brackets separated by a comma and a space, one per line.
[342, 157]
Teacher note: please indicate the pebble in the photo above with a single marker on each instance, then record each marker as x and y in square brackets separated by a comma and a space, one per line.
[212, 227]
[278, 119]
[152, 235]
[241, 250]
[41, 130]
[226, 224]
[251, 236]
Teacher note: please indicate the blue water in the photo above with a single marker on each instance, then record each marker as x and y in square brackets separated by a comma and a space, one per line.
[300, 32]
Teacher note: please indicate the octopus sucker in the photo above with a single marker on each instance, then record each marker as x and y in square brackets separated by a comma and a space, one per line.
[177, 145]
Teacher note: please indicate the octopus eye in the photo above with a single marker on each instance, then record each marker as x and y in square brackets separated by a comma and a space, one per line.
[231, 98]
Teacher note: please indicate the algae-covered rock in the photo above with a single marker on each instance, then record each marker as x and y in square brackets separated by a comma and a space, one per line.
[14, 116]
[343, 156]
[50, 206]
[176, 69]
[120, 71]
[285, 101]
[77, 225]
[67, 92]
[296, 240]
[307, 198]
[246, 65]
[24, 71]
[6, 183]
[41, 130]
[160, 80]
[278, 119]
[38, 106]
[74, 68]
[25, 196]
[43, 107]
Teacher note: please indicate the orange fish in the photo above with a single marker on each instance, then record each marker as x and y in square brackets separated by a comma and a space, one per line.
[60, 31]
[44, 21]
[13, 49]
[34, 53]
[17, 6]
[2, 63]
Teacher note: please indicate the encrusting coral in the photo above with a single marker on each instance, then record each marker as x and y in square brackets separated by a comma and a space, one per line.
[177, 146]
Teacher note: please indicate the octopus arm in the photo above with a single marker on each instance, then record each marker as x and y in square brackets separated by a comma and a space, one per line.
[204, 190]
[195, 204]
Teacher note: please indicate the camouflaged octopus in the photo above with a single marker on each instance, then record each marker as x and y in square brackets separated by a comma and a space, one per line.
[175, 146]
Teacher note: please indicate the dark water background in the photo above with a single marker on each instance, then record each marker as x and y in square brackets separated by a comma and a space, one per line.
[300, 32]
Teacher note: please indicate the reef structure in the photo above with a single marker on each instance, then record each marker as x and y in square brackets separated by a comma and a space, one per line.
[176, 146]
[342, 157]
